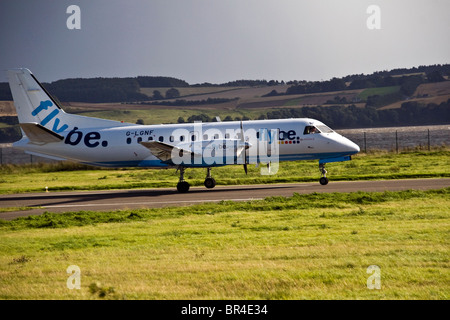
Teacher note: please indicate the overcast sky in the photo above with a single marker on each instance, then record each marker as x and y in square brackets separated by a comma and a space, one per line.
[221, 40]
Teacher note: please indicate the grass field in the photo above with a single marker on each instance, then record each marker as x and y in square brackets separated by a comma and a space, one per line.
[316, 246]
[378, 91]
[161, 115]
[379, 165]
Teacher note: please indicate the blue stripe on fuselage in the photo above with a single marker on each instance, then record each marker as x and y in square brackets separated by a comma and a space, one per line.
[160, 164]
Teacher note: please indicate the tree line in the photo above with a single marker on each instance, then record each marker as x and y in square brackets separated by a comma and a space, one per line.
[96, 90]
[408, 84]
[442, 69]
[128, 89]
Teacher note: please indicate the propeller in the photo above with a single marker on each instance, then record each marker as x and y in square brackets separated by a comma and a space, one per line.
[244, 153]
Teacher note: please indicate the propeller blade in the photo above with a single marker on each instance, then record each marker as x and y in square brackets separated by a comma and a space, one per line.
[244, 154]
[242, 132]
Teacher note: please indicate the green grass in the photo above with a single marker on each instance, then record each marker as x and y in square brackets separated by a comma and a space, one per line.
[316, 246]
[373, 166]
[378, 91]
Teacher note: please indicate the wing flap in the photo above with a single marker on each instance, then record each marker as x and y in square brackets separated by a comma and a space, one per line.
[163, 151]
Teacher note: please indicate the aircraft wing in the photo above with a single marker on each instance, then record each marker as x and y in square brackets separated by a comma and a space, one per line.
[163, 151]
[40, 134]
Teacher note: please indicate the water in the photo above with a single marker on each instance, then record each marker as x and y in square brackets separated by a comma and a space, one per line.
[400, 138]
[376, 138]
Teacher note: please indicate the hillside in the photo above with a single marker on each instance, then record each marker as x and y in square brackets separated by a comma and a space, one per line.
[396, 98]
[427, 93]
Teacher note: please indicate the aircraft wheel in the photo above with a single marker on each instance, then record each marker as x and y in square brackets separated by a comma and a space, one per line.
[323, 181]
[210, 183]
[183, 187]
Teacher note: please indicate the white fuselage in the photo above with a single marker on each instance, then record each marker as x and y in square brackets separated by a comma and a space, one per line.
[121, 146]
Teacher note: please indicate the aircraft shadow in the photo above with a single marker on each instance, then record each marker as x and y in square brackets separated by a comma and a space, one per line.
[151, 194]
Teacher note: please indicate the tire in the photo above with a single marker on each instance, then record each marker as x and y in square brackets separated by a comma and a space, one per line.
[323, 181]
[183, 187]
[210, 183]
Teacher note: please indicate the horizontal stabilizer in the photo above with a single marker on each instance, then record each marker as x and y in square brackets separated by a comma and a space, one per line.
[40, 134]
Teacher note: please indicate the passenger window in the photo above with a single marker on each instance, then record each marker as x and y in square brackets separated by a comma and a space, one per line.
[161, 139]
[150, 138]
[227, 136]
[311, 130]
[216, 136]
[205, 137]
[181, 138]
[139, 140]
[171, 138]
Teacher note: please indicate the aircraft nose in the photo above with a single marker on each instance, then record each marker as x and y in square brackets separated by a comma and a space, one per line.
[350, 146]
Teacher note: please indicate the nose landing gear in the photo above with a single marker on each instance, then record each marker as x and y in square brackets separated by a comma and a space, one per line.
[210, 182]
[323, 180]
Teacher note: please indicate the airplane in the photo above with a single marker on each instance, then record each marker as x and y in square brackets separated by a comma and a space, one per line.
[50, 132]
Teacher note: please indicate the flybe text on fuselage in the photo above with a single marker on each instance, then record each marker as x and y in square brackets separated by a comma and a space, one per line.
[90, 139]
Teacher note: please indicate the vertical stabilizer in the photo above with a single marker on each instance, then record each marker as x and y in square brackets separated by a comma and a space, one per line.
[35, 105]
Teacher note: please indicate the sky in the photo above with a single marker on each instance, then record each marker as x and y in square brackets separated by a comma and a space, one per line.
[218, 41]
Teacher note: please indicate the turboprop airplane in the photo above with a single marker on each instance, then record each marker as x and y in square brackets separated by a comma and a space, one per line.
[50, 132]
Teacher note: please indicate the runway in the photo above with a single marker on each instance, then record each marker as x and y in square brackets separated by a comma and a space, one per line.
[59, 202]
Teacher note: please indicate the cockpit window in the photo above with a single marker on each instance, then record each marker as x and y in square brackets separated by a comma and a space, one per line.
[324, 129]
[311, 130]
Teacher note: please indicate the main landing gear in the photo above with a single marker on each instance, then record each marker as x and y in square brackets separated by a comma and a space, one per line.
[183, 186]
[324, 180]
[209, 181]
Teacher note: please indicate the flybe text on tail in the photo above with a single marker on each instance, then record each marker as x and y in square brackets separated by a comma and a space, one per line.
[44, 105]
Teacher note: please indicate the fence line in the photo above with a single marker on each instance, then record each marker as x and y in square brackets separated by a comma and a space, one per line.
[364, 144]
[393, 139]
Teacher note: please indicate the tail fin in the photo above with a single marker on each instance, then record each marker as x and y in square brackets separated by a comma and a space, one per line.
[35, 105]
